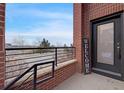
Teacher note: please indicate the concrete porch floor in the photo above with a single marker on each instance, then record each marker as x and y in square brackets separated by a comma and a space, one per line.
[90, 82]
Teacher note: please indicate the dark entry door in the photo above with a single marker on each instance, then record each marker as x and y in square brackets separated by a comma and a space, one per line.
[106, 42]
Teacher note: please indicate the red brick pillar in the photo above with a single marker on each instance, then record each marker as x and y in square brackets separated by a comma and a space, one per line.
[2, 45]
[77, 35]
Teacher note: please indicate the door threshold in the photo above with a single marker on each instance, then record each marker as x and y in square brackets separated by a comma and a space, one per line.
[107, 73]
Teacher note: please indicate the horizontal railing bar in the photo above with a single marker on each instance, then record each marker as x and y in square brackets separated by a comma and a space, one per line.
[34, 53]
[28, 53]
[38, 57]
[41, 67]
[20, 54]
[59, 60]
[14, 76]
[16, 70]
[30, 57]
[36, 48]
[30, 62]
[64, 59]
[25, 68]
[65, 50]
[63, 56]
[43, 63]
[29, 71]
[65, 53]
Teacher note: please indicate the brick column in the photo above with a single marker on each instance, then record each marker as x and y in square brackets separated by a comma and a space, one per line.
[77, 35]
[2, 45]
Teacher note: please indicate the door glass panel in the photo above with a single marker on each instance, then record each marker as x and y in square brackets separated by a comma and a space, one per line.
[105, 43]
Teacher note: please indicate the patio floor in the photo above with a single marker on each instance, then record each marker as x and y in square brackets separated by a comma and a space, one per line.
[90, 82]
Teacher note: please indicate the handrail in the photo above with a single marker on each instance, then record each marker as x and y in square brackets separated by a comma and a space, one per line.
[27, 48]
[34, 73]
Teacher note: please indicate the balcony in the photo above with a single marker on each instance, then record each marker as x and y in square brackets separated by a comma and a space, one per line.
[24, 65]
[51, 68]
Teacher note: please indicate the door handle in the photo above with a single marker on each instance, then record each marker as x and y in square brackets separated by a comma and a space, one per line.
[119, 52]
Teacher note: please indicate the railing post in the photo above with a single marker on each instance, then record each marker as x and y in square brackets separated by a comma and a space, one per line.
[56, 56]
[74, 52]
[35, 77]
[53, 68]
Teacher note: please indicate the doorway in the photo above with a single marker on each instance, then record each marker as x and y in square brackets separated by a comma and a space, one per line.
[106, 46]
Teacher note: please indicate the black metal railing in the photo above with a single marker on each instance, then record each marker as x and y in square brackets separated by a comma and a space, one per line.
[34, 68]
[18, 60]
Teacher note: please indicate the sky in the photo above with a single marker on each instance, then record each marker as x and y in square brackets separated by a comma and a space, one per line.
[33, 22]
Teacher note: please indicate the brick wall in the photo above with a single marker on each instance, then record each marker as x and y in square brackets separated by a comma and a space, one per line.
[61, 74]
[2, 40]
[77, 34]
[82, 19]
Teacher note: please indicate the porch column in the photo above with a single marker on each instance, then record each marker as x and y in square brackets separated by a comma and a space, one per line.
[77, 35]
[2, 45]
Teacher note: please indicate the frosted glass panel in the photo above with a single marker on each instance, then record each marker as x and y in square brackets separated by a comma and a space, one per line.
[105, 43]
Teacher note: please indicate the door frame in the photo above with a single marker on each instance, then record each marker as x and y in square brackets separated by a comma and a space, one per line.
[121, 14]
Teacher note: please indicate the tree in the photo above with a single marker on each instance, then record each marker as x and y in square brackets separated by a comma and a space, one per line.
[66, 48]
[65, 45]
[44, 43]
[71, 45]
